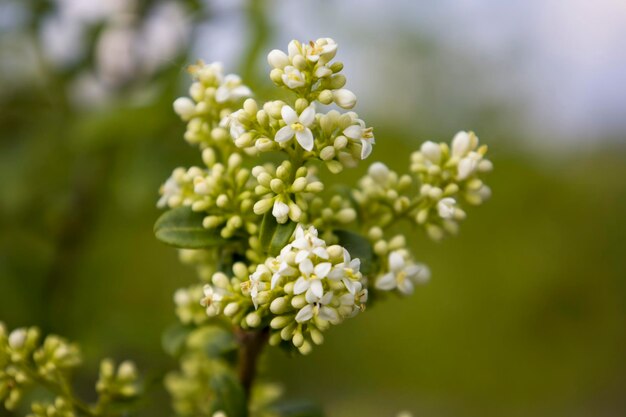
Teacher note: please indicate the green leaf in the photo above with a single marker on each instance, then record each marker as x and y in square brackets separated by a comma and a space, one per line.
[358, 246]
[182, 227]
[213, 340]
[275, 236]
[230, 397]
[298, 409]
[173, 339]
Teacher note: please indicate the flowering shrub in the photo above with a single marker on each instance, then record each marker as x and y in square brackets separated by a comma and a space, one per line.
[281, 255]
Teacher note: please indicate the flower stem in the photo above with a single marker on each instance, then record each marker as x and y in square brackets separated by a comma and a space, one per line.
[251, 345]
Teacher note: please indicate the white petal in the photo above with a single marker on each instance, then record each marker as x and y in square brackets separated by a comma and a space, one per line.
[310, 297]
[406, 286]
[353, 132]
[305, 139]
[306, 267]
[284, 134]
[330, 314]
[275, 278]
[326, 298]
[316, 288]
[366, 148]
[355, 264]
[305, 314]
[461, 144]
[386, 282]
[466, 167]
[289, 115]
[222, 94]
[241, 91]
[293, 49]
[396, 261]
[321, 252]
[351, 286]
[301, 285]
[322, 270]
[308, 116]
[336, 273]
[301, 256]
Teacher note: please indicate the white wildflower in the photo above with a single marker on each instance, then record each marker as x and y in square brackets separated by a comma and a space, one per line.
[231, 89]
[363, 134]
[293, 78]
[402, 274]
[298, 126]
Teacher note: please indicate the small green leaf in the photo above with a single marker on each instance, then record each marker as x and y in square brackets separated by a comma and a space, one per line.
[213, 340]
[173, 339]
[298, 409]
[230, 397]
[358, 246]
[182, 227]
[275, 236]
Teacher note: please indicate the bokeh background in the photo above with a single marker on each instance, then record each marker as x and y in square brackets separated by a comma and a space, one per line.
[526, 311]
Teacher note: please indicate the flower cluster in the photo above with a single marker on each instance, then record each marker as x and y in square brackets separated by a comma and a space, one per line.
[212, 96]
[440, 181]
[305, 289]
[449, 176]
[26, 362]
[296, 257]
[306, 68]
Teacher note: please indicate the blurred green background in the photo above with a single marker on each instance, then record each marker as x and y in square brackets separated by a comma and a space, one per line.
[526, 312]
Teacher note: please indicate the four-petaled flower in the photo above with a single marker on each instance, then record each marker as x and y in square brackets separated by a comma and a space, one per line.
[231, 89]
[311, 279]
[293, 78]
[212, 299]
[318, 307]
[298, 126]
[402, 275]
[361, 133]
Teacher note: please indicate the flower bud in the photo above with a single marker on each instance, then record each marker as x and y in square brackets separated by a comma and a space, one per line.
[184, 107]
[325, 97]
[277, 59]
[344, 98]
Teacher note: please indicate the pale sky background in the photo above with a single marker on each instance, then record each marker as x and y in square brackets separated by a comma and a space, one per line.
[562, 61]
[557, 68]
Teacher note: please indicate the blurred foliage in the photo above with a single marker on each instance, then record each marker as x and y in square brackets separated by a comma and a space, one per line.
[525, 314]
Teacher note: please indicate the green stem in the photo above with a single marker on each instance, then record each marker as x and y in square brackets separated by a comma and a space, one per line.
[61, 390]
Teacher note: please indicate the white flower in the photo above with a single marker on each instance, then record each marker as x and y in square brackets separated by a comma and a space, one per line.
[255, 285]
[293, 78]
[212, 299]
[402, 275]
[348, 273]
[311, 279]
[308, 244]
[231, 89]
[318, 307]
[280, 211]
[468, 165]
[446, 207]
[277, 59]
[170, 189]
[232, 122]
[298, 126]
[361, 133]
[325, 48]
[284, 270]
